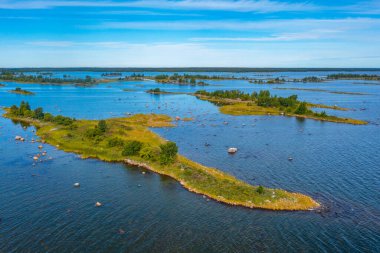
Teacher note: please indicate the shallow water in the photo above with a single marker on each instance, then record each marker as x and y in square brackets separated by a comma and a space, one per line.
[336, 164]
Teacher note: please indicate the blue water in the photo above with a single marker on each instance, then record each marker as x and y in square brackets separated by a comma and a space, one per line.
[337, 164]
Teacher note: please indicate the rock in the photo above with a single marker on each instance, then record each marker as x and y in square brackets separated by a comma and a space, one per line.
[35, 158]
[98, 204]
[40, 146]
[232, 150]
[17, 138]
[78, 185]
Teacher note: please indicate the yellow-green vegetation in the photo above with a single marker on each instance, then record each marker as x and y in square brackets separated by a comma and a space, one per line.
[235, 102]
[130, 140]
[21, 91]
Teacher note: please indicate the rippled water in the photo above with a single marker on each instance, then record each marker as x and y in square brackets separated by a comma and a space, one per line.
[336, 164]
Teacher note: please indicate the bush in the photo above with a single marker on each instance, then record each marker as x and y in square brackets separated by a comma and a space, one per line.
[48, 117]
[150, 153]
[39, 113]
[102, 126]
[260, 190]
[168, 152]
[92, 133]
[115, 142]
[61, 120]
[302, 109]
[132, 148]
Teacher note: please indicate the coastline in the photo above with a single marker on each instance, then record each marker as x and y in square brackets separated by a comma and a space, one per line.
[215, 184]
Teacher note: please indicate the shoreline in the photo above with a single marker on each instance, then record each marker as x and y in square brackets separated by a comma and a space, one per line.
[195, 177]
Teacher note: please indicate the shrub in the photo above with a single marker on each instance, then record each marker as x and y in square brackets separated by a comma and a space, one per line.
[102, 126]
[132, 148]
[260, 190]
[48, 117]
[302, 109]
[150, 153]
[168, 152]
[92, 133]
[115, 142]
[61, 120]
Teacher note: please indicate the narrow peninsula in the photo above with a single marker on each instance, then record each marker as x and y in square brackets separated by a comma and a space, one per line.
[130, 140]
[235, 102]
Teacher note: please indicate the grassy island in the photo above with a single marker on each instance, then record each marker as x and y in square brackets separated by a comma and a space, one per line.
[130, 140]
[235, 102]
[21, 92]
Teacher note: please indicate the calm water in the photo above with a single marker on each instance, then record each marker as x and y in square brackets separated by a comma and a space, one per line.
[339, 165]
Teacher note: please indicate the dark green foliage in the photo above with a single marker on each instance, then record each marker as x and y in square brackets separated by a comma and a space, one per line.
[21, 77]
[301, 109]
[92, 133]
[62, 120]
[25, 111]
[156, 90]
[260, 190]
[102, 126]
[39, 113]
[353, 76]
[169, 152]
[150, 153]
[132, 148]
[115, 142]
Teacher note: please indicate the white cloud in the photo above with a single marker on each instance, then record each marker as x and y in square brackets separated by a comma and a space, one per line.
[274, 24]
[225, 5]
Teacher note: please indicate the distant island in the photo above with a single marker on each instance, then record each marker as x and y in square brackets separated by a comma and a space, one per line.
[236, 102]
[129, 140]
[21, 91]
[21, 77]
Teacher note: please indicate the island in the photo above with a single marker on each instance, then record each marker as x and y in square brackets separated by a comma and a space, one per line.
[22, 78]
[236, 102]
[2, 85]
[184, 79]
[326, 91]
[21, 92]
[158, 91]
[130, 140]
[344, 76]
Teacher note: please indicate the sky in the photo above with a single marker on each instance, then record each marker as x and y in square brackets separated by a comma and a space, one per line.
[190, 33]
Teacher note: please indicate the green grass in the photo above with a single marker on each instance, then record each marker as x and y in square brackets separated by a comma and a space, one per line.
[240, 108]
[193, 176]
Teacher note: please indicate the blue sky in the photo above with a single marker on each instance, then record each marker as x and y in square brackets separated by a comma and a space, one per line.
[189, 33]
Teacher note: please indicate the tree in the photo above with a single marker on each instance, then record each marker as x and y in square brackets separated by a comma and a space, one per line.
[39, 113]
[102, 126]
[169, 152]
[302, 109]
